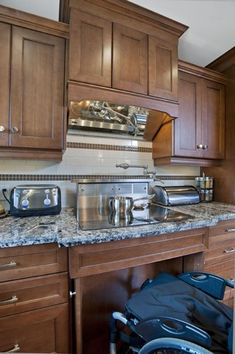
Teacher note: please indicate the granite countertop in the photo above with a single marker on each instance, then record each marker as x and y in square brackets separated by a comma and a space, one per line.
[64, 229]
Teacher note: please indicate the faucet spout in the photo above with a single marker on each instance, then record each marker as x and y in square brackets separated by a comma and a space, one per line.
[126, 165]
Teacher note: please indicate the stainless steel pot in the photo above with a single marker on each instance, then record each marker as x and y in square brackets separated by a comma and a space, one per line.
[123, 206]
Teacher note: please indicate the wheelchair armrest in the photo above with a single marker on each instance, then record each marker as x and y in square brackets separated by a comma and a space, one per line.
[162, 327]
[209, 283]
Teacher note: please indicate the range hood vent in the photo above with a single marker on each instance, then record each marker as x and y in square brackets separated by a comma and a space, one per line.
[102, 116]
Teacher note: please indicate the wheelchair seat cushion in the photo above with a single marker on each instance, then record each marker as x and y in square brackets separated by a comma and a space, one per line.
[169, 296]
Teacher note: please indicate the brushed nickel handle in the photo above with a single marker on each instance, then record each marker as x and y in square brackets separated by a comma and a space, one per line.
[72, 294]
[229, 250]
[230, 230]
[205, 147]
[14, 350]
[200, 146]
[12, 264]
[9, 301]
[3, 129]
[14, 130]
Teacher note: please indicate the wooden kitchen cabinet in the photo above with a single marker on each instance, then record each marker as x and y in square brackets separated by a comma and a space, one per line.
[32, 86]
[5, 36]
[197, 135]
[219, 258]
[34, 309]
[124, 47]
[39, 331]
[90, 48]
[106, 274]
[130, 59]
[163, 67]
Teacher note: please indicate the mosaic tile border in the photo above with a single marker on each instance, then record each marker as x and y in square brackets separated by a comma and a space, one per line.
[24, 177]
[74, 145]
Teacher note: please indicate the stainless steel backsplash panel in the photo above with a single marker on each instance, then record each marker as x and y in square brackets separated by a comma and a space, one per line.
[94, 197]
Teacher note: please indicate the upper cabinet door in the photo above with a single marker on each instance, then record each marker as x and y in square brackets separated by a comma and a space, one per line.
[90, 48]
[129, 59]
[37, 82]
[5, 35]
[213, 113]
[189, 124]
[163, 68]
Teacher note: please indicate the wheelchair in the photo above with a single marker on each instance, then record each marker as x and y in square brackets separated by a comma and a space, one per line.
[175, 314]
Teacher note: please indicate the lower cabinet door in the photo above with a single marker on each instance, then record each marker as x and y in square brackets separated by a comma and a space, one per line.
[39, 331]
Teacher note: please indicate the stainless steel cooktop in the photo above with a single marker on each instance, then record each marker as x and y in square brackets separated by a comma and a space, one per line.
[90, 220]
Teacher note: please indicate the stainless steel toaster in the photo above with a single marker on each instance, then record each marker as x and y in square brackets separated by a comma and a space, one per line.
[175, 195]
[35, 199]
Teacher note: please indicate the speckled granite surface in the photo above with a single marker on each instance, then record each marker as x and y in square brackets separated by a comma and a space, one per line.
[64, 230]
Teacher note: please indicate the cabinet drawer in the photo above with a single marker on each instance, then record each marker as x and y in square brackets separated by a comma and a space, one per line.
[222, 266]
[100, 258]
[224, 227]
[221, 245]
[24, 262]
[39, 331]
[32, 293]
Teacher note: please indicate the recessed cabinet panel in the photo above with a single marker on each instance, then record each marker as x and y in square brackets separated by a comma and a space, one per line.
[163, 68]
[37, 90]
[39, 331]
[129, 59]
[188, 125]
[90, 48]
[213, 108]
[5, 34]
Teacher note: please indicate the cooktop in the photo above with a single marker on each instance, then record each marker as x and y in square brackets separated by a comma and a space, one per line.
[90, 220]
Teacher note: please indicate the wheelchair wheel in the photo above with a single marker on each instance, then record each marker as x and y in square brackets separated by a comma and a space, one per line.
[172, 346]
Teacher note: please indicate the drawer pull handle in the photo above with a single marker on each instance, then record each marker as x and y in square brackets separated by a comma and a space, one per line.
[9, 301]
[14, 350]
[229, 250]
[230, 230]
[12, 264]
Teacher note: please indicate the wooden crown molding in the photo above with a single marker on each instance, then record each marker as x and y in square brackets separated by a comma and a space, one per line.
[34, 22]
[131, 10]
[205, 73]
[224, 62]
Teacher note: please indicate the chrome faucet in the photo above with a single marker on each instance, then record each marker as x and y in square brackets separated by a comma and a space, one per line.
[151, 174]
[126, 165]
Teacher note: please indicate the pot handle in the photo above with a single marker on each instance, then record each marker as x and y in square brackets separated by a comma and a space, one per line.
[149, 197]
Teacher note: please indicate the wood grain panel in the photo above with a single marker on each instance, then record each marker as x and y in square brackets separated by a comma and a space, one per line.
[213, 112]
[33, 293]
[129, 59]
[188, 126]
[101, 294]
[37, 90]
[163, 68]
[100, 258]
[90, 48]
[24, 262]
[39, 331]
[5, 34]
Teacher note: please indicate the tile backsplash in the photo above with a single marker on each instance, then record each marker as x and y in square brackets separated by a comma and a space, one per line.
[90, 156]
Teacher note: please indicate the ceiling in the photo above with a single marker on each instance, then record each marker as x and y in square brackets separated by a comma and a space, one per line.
[211, 23]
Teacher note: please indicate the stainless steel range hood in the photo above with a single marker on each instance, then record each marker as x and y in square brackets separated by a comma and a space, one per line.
[102, 116]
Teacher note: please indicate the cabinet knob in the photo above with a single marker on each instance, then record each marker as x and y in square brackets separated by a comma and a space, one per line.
[14, 130]
[200, 146]
[2, 129]
[205, 147]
